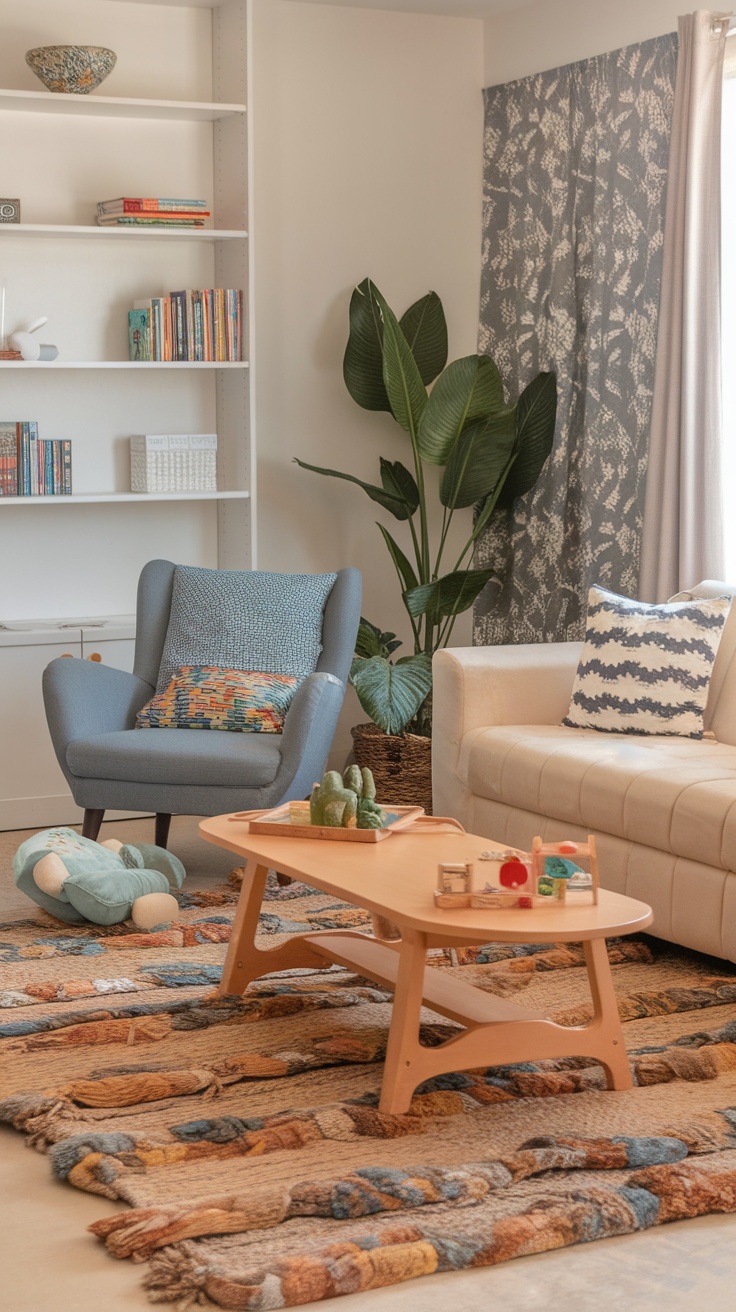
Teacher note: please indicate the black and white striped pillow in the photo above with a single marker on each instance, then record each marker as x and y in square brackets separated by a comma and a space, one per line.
[646, 669]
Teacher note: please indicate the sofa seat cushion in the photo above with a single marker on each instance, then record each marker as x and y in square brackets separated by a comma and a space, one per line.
[178, 756]
[675, 795]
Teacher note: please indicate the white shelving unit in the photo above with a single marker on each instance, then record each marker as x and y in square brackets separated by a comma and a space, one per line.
[72, 151]
[171, 120]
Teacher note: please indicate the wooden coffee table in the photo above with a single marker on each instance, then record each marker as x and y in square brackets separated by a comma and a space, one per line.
[395, 879]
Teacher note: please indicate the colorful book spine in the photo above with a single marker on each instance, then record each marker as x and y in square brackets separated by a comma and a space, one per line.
[148, 204]
[188, 326]
[139, 336]
[153, 220]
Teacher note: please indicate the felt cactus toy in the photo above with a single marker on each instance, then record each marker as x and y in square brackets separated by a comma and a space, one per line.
[347, 801]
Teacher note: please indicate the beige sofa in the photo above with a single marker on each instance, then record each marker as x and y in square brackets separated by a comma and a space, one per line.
[663, 809]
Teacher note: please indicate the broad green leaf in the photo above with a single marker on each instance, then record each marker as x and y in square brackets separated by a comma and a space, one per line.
[391, 694]
[478, 460]
[362, 366]
[396, 505]
[536, 411]
[404, 567]
[425, 329]
[469, 389]
[450, 595]
[488, 508]
[370, 641]
[399, 482]
[406, 391]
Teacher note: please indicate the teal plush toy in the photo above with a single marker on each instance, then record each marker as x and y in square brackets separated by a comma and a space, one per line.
[78, 880]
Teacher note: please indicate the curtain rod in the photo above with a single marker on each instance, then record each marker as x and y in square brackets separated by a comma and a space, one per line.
[725, 21]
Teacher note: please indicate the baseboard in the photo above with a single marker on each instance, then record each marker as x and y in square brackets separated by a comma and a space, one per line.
[43, 812]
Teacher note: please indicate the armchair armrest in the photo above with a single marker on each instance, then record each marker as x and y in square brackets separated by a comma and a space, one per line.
[308, 732]
[84, 698]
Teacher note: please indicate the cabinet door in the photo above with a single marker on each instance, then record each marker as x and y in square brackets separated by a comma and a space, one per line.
[117, 652]
[33, 790]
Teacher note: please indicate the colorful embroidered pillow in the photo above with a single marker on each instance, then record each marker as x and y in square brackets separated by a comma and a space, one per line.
[209, 697]
[646, 669]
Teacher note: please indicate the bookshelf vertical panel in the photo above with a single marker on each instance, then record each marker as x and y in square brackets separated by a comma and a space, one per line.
[236, 521]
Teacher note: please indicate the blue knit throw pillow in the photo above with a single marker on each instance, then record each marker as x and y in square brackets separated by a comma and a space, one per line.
[646, 669]
[245, 620]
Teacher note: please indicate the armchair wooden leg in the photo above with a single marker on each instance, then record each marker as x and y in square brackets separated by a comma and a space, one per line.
[162, 829]
[91, 824]
[283, 880]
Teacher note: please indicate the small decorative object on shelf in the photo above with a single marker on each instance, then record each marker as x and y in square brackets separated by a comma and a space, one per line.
[152, 211]
[9, 210]
[188, 326]
[29, 346]
[346, 801]
[521, 880]
[75, 70]
[30, 466]
[173, 462]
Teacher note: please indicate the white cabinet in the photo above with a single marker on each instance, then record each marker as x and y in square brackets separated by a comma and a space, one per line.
[33, 790]
[169, 121]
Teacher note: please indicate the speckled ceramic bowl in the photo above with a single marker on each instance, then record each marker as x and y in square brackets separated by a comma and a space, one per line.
[74, 69]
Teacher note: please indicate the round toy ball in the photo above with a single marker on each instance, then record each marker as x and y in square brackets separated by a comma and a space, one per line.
[154, 909]
[568, 848]
[512, 874]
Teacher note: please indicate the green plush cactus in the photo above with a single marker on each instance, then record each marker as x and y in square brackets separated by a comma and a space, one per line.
[346, 802]
[332, 804]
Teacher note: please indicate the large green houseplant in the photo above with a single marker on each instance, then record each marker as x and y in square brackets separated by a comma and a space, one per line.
[491, 453]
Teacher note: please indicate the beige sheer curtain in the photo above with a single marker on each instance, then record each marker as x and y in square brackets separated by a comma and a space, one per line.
[682, 539]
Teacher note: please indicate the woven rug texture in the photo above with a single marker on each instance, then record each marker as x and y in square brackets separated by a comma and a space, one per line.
[244, 1133]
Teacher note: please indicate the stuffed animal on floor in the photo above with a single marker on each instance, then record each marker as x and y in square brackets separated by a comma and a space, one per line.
[78, 880]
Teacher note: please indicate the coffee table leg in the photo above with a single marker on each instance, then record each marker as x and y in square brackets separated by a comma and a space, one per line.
[244, 961]
[612, 1052]
[402, 1071]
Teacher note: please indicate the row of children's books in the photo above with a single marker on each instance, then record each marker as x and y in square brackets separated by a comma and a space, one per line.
[31, 466]
[188, 326]
[152, 211]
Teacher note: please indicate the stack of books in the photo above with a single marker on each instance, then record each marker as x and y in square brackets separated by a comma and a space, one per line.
[152, 211]
[30, 466]
[188, 326]
[173, 462]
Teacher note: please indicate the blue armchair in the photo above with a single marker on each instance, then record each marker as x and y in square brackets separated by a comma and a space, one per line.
[91, 711]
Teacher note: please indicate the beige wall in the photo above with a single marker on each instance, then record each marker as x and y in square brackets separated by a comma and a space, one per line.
[367, 162]
[554, 32]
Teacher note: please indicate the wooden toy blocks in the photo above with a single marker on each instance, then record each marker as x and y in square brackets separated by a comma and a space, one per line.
[520, 881]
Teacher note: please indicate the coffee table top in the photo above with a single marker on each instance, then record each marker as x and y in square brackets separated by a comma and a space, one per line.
[396, 879]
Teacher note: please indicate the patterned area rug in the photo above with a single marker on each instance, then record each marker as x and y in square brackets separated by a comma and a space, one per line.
[244, 1133]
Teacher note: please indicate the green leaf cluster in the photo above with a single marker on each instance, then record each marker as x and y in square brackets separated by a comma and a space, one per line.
[491, 452]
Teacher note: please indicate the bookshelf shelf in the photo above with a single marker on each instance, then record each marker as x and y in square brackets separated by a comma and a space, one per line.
[94, 498]
[57, 102]
[124, 364]
[118, 234]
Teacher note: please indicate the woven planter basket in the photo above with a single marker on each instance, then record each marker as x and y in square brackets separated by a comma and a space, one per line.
[401, 766]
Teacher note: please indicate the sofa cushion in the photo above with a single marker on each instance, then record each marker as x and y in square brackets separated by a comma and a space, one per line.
[208, 697]
[646, 669]
[674, 794]
[177, 756]
[245, 620]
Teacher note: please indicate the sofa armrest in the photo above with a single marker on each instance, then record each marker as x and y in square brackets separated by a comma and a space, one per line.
[85, 698]
[475, 687]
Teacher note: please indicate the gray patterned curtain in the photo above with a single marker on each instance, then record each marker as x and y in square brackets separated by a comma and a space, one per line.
[575, 177]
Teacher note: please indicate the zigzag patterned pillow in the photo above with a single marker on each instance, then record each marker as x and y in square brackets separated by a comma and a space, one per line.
[646, 669]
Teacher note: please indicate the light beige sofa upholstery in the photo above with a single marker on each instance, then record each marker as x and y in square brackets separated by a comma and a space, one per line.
[663, 809]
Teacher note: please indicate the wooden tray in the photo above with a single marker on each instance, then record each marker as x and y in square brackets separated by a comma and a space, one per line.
[276, 824]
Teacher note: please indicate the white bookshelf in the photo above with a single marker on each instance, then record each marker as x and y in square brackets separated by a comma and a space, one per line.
[93, 498]
[171, 119]
[100, 106]
[118, 234]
